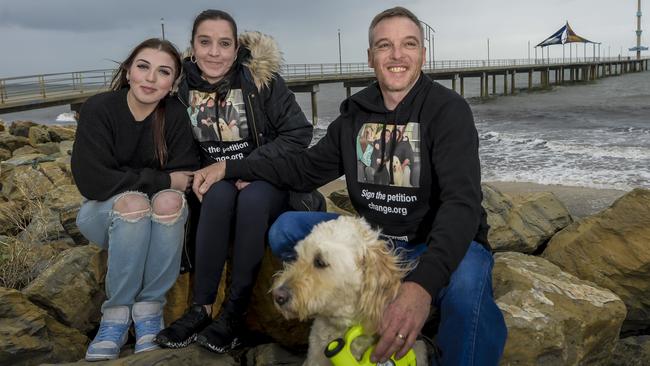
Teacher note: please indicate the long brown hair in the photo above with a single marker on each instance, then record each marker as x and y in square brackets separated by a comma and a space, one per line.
[120, 81]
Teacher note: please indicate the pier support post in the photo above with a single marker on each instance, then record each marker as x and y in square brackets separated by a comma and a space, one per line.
[348, 91]
[512, 79]
[483, 81]
[313, 90]
[453, 82]
[314, 107]
[494, 84]
[462, 86]
[530, 79]
[505, 83]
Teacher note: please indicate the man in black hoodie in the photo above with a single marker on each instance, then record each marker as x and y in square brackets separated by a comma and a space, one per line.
[437, 215]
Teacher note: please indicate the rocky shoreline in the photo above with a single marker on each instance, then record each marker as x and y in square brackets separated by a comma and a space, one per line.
[571, 274]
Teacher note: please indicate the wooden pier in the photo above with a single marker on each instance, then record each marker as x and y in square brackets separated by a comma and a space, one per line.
[47, 90]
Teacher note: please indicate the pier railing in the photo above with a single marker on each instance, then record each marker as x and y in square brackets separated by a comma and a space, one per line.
[22, 89]
[49, 86]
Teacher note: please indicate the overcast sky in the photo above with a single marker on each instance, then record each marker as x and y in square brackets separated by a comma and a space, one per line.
[72, 35]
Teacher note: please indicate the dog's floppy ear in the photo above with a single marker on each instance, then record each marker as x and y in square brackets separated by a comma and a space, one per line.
[380, 283]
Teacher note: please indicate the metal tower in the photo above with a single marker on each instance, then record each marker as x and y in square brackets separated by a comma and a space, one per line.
[638, 47]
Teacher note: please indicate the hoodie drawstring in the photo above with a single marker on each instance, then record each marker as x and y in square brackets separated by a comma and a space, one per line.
[393, 141]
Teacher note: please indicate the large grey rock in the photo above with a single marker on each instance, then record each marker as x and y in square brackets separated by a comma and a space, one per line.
[48, 148]
[272, 354]
[29, 336]
[341, 201]
[68, 218]
[61, 133]
[25, 150]
[72, 289]
[25, 183]
[612, 250]
[38, 135]
[23, 159]
[44, 226]
[5, 154]
[632, 351]
[554, 318]
[55, 173]
[193, 355]
[64, 196]
[11, 142]
[65, 147]
[21, 128]
[522, 224]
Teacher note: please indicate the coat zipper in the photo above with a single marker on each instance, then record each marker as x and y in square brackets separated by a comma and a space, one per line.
[252, 109]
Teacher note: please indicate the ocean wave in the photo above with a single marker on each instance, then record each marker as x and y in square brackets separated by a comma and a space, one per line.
[570, 176]
[601, 151]
[494, 136]
[628, 129]
[66, 117]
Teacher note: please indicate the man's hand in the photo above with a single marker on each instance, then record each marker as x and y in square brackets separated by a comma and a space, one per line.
[206, 177]
[402, 322]
[181, 181]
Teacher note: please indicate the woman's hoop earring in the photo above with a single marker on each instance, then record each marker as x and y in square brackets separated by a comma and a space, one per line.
[193, 58]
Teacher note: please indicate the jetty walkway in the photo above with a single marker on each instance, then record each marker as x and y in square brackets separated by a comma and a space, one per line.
[73, 88]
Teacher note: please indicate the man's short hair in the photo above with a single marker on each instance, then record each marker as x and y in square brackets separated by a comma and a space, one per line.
[397, 11]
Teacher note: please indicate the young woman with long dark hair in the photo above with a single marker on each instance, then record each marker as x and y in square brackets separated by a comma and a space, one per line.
[132, 160]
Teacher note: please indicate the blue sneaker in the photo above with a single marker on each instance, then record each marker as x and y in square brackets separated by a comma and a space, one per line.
[148, 321]
[111, 336]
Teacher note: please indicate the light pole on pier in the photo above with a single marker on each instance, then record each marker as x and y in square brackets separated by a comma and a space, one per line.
[162, 26]
[340, 60]
[488, 44]
[429, 36]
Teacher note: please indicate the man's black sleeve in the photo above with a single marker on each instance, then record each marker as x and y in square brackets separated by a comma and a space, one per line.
[457, 168]
[302, 171]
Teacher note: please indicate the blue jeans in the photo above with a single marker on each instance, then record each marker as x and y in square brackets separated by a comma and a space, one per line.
[472, 330]
[144, 254]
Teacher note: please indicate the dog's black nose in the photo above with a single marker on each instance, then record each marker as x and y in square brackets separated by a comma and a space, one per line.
[281, 295]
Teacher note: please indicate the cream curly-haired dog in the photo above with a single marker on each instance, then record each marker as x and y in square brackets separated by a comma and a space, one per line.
[343, 275]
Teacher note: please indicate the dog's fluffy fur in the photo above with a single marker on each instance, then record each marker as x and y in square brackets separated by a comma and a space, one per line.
[398, 173]
[343, 275]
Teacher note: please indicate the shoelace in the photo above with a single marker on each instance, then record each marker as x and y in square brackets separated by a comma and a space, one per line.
[150, 326]
[111, 332]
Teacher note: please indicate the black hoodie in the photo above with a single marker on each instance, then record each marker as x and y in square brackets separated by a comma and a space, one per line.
[434, 199]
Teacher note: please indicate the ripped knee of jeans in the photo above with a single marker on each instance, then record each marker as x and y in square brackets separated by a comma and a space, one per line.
[168, 206]
[131, 206]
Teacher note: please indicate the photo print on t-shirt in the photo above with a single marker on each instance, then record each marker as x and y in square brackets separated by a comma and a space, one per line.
[389, 155]
[212, 121]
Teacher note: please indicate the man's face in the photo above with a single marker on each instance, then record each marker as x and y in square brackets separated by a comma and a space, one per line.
[396, 54]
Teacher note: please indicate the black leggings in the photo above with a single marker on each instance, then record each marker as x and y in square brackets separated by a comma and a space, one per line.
[242, 217]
